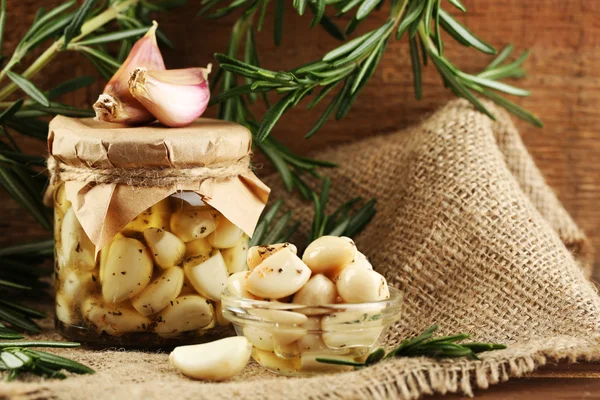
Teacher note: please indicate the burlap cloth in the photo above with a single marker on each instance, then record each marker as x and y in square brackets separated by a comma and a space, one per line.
[466, 227]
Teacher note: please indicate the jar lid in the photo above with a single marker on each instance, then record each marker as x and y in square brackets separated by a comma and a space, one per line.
[102, 144]
[114, 172]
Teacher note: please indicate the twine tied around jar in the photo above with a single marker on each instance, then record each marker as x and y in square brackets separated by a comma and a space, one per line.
[145, 176]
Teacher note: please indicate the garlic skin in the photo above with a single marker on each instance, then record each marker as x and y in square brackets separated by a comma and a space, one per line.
[116, 104]
[175, 97]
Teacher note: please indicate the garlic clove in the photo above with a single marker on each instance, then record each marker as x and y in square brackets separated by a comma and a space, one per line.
[198, 248]
[77, 249]
[257, 254]
[280, 275]
[64, 310]
[115, 319]
[104, 255]
[187, 313]
[175, 97]
[157, 216]
[329, 254]
[191, 224]
[236, 285]
[319, 290]
[208, 276]
[116, 103]
[77, 283]
[259, 338]
[312, 341]
[235, 257]
[271, 361]
[356, 284]
[128, 270]
[160, 292]
[216, 361]
[225, 235]
[166, 249]
[349, 329]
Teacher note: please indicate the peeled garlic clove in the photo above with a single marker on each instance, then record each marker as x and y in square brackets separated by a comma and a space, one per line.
[61, 206]
[116, 103]
[160, 292]
[235, 257]
[157, 216]
[77, 283]
[78, 251]
[312, 340]
[257, 254]
[198, 248]
[328, 254]
[104, 255]
[290, 325]
[349, 329]
[319, 290]
[209, 276]
[280, 275]
[114, 319]
[225, 235]
[236, 285]
[175, 97]
[128, 270]
[271, 361]
[166, 249]
[190, 225]
[356, 284]
[187, 313]
[259, 338]
[215, 361]
[64, 310]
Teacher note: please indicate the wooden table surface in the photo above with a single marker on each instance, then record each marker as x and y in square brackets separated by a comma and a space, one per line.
[564, 77]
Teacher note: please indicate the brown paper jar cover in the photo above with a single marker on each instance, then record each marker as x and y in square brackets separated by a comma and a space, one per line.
[104, 208]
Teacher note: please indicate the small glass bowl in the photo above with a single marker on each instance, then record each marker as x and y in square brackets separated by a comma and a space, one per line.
[288, 338]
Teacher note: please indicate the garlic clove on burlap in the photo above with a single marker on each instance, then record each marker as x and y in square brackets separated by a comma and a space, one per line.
[328, 254]
[235, 257]
[257, 254]
[128, 270]
[280, 275]
[116, 103]
[208, 275]
[216, 361]
[175, 97]
[160, 292]
[166, 249]
[192, 224]
[77, 249]
[185, 313]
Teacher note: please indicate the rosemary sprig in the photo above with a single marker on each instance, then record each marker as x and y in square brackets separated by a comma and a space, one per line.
[346, 69]
[425, 345]
[16, 357]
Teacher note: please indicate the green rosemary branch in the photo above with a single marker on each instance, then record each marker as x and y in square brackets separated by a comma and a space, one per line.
[346, 69]
[17, 357]
[425, 345]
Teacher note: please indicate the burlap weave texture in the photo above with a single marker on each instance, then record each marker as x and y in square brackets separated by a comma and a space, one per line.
[466, 227]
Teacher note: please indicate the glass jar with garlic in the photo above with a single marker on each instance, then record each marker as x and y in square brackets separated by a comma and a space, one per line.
[150, 222]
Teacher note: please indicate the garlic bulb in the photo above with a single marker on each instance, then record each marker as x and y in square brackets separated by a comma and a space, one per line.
[175, 97]
[116, 104]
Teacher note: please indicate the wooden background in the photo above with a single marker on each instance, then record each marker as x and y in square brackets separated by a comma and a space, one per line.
[564, 77]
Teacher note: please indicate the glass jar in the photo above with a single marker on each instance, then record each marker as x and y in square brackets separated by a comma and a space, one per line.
[149, 224]
[159, 280]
